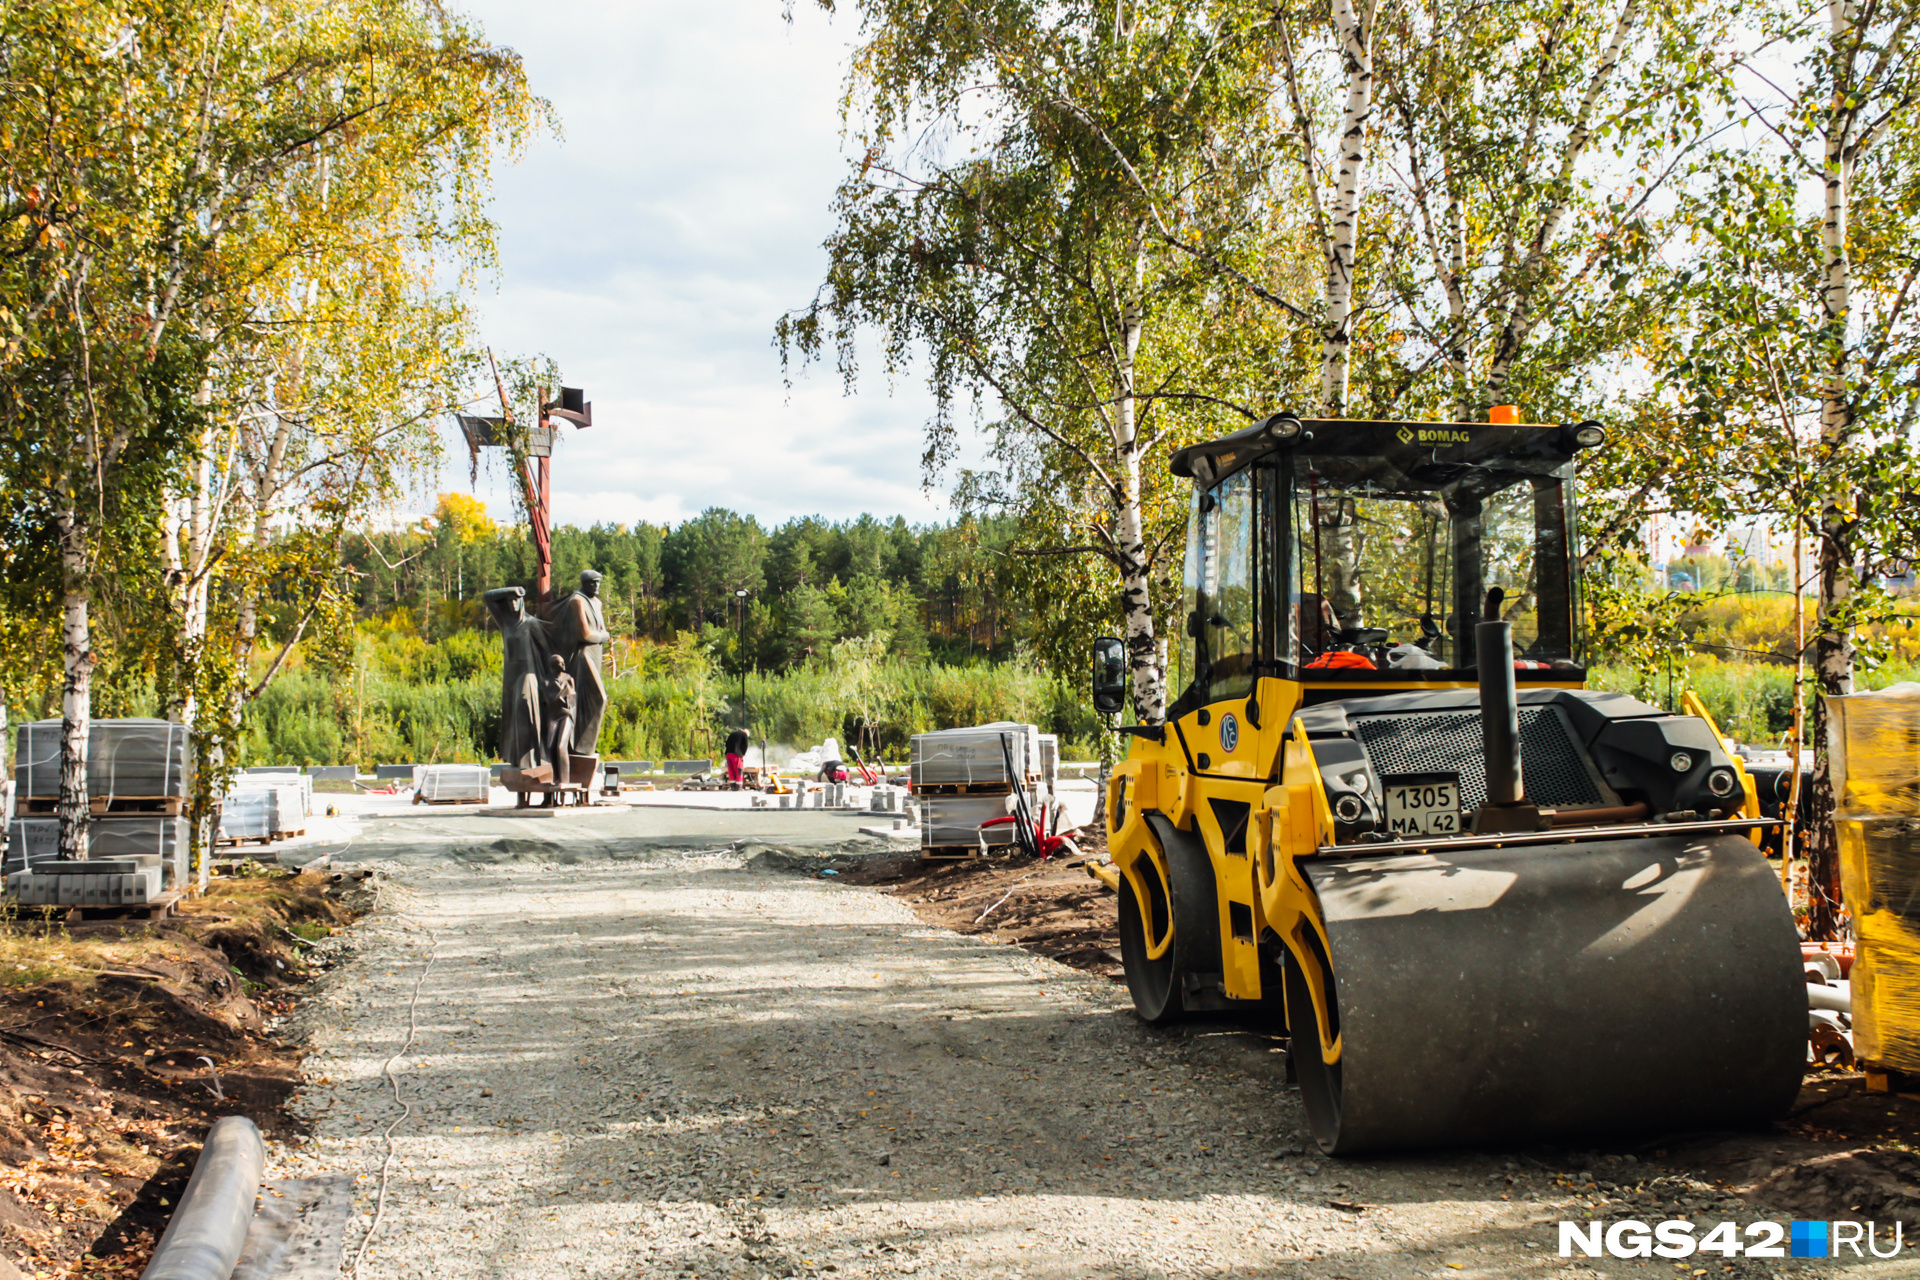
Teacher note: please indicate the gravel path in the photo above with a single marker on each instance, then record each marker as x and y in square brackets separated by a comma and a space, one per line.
[684, 1065]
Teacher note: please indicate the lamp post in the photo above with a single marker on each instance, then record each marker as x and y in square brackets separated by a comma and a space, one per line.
[741, 596]
[536, 477]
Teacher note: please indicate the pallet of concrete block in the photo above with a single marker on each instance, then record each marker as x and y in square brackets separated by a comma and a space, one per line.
[90, 882]
[30, 841]
[156, 839]
[950, 825]
[247, 816]
[287, 777]
[454, 784]
[144, 836]
[133, 766]
[263, 813]
[1047, 773]
[975, 760]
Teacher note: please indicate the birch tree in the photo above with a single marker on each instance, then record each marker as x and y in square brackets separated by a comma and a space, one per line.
[995, 228]
[1823, 199]
[142, 141]
[1529, 152]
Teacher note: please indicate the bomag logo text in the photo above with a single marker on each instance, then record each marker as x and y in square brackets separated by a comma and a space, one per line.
[1434, 435]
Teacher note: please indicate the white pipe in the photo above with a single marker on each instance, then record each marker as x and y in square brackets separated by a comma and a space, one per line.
[1839, 999]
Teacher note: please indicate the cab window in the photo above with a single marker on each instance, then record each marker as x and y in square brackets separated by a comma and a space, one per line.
[1225, 551]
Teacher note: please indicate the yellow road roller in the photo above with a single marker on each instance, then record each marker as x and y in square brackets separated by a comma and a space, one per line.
[1491, 904]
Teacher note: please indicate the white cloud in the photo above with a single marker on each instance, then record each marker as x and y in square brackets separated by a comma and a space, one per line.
[651, 251]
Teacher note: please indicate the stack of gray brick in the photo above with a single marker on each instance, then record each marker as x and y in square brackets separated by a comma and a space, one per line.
[151, 839]
[146, 758]
[455, 782]
[162, 840]
[955, 820]
[31, 840]
[96, 882]
[287, 777]
[976, 756]
[130, 858]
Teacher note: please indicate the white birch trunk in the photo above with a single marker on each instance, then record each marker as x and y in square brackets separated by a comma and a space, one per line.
[1521, 319]
[1833, 649]
[1143, 654]
[1461, 354]
[76, 686]
[1354, 30]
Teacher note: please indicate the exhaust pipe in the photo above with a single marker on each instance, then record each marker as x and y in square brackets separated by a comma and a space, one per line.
[1506, 808]
[1499, 713]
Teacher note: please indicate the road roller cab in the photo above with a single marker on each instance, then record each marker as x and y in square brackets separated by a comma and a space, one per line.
[1490, 903]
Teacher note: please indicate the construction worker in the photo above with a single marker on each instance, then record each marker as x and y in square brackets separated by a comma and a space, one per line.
[736, 755]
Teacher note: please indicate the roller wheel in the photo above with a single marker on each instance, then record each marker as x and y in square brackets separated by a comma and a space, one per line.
[1154, 984]
[1319, 1079]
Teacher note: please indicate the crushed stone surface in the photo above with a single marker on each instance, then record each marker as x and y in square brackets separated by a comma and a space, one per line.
[692, 1064]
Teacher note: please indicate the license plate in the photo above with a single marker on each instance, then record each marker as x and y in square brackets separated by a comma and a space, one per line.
[1423, 806]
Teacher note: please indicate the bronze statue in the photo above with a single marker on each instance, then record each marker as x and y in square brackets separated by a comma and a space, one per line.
[560, 705]
[580, 629]
[523, 736]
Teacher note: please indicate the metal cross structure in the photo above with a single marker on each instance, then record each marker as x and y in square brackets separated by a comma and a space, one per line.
[536, 478]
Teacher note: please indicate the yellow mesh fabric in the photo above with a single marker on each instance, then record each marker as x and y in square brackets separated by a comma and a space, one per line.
[1880, 880]
[1873, 741]
[1874, 746]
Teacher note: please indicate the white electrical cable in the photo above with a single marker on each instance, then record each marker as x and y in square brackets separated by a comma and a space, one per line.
[406, 1108]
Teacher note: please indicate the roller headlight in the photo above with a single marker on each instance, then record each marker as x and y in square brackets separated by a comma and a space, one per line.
[1582, 435]
[1680, 762]
[1349, 809]
[1721, 782]
[1283, 427]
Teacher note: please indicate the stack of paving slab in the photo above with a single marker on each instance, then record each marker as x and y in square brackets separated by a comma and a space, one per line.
[137, 836]
[269, 810]
[455, 784]
[962, 778]
[255, 779]
[127, 761]
[90, 882]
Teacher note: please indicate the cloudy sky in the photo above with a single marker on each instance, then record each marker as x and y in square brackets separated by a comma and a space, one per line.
[651, 249]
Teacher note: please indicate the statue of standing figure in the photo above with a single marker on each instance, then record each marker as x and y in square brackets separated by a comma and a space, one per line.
[552, 697]
[523, 679]
[580, 632]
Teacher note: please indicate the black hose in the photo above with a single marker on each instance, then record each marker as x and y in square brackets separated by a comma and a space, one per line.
[1023, 828]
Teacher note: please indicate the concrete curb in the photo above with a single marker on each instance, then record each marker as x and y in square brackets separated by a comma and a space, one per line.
[203, 1239]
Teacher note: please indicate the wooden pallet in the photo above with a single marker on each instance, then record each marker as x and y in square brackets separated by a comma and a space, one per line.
[954, 852]
[159, 909]
[234, 842]
[1885, 1079]
[420, 799]
[961, 788]
[105, 806]
[156, 806]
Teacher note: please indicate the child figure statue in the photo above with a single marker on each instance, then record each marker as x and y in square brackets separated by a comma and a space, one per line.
[562, 700]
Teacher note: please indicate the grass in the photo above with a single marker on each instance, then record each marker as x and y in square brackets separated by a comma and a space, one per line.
[1750, 701]
[406, 701]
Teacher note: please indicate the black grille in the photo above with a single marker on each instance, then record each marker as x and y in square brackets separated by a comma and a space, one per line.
[1551, 766]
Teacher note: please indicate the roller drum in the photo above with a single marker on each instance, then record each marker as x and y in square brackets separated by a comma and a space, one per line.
[1498, 995]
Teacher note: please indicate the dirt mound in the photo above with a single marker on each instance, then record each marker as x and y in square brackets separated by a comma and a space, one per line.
[1052, 908]
[107, 1033]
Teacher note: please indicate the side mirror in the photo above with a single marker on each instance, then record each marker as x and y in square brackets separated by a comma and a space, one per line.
[1109, 675]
